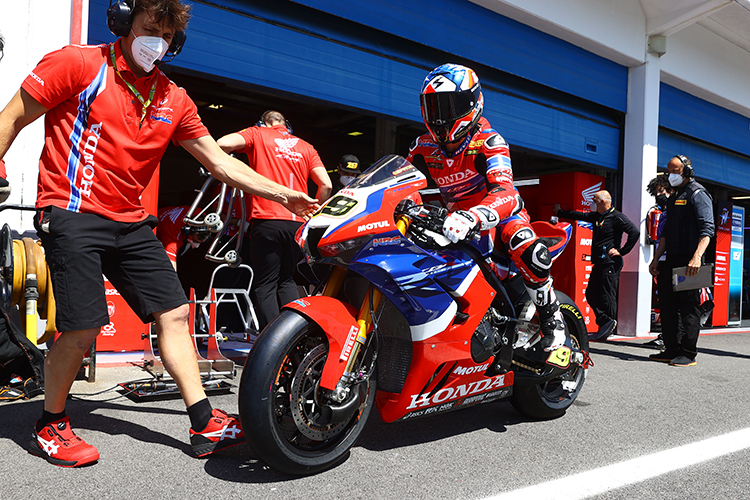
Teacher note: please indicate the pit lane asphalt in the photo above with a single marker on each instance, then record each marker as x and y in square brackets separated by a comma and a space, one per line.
[629, 407]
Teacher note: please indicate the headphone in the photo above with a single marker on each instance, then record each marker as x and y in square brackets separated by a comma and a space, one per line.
[687, 166]
[120, 20]
[262, 121]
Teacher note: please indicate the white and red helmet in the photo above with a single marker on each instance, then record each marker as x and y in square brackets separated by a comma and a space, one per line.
[451, 100]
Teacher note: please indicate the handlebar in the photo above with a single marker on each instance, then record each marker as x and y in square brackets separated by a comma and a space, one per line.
[426, 224]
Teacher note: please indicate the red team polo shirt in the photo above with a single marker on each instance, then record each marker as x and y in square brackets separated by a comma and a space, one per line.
[97, 156]
[278, 155]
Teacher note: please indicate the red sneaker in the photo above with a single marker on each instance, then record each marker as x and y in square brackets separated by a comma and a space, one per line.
[58, 445]
[222, 431]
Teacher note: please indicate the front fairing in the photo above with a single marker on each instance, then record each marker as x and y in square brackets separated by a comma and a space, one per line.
[362, 211]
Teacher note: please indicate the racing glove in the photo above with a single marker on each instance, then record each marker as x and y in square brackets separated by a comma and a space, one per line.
[458, 224]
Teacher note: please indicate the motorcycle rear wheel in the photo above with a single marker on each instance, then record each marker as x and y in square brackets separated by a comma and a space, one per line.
[282, 406]
[551, 399]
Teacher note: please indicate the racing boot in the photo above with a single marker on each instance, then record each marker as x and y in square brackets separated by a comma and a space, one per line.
[551, 321]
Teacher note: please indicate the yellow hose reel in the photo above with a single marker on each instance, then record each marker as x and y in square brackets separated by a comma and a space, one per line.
[25, 273]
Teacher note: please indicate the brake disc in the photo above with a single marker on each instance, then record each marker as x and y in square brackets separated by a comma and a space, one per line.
[305, 396]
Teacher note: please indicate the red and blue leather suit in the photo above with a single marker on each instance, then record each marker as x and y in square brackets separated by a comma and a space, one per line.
[479, 176]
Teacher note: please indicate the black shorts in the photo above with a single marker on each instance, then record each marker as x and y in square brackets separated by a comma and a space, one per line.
[81, 247]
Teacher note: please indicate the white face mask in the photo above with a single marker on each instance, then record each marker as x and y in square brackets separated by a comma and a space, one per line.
[675, 179]
[346, 179]
[592, 206]
[147, 50]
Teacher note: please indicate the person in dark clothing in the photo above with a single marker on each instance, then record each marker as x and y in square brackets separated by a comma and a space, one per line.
[685, 237]
[607, 252]
[661, 190]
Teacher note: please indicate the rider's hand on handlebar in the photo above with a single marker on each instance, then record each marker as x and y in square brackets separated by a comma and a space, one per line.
[458, 224]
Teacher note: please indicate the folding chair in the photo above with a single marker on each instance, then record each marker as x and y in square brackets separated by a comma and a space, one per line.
[232, 286]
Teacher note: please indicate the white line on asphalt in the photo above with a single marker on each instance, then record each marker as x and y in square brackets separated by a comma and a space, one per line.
[603, 479]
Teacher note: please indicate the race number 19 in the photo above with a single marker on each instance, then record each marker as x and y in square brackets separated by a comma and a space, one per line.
[560, 357]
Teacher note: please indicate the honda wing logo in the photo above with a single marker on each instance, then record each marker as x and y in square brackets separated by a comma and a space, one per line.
[588, 193]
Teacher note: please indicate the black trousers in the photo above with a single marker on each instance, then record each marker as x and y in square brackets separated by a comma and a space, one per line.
[602, 290]
[273, 255]
[675, 307]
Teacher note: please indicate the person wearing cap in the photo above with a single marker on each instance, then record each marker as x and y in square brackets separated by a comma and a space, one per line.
[349, 169]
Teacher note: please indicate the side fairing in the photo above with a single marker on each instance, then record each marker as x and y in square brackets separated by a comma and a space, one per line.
[422, 285]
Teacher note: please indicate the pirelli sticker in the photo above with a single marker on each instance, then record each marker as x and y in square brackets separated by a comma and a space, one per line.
[680, 202]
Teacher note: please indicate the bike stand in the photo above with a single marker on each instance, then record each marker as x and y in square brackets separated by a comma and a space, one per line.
[213, 365]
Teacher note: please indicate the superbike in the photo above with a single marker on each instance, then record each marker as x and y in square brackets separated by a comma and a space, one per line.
[401, 320]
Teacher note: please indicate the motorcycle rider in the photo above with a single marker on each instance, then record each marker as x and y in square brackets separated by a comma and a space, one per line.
[470, 163]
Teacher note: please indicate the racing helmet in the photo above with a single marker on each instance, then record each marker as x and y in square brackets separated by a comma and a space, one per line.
[451, 100]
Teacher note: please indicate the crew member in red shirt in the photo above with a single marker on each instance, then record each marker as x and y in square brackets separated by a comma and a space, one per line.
[175, 235]
[4, 185]
[109, 116]
[274, 152]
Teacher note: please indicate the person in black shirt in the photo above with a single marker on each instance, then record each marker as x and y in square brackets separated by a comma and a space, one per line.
[607, 252]
[685, 237]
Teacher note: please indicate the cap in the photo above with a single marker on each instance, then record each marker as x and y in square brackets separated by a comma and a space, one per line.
[349, 164]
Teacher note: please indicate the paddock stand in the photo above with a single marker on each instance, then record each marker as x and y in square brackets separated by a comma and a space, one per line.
[214, 367]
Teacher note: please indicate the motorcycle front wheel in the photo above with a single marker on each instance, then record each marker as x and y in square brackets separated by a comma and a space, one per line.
[552, 398]
[286, 416]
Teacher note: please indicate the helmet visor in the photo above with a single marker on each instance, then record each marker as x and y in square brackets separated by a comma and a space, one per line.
[441, 108]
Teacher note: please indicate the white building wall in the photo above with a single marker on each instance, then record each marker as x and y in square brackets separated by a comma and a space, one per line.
[697, 60]
[31, 29]
[702, 63]
[615, 29]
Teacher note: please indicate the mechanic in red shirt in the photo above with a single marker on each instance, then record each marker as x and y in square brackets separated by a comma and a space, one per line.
[275, 153]
[175, 235]
[109, 116]
[4, 185]
[470, 162]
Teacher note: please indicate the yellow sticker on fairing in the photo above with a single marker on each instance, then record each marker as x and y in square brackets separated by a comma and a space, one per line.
[560, 357]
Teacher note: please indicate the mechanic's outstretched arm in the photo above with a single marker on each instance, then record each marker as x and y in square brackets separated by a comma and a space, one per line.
[233, 172]
[20, 111]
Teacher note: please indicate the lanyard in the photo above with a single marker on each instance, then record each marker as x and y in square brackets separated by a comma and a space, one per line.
[132, 88]
[604, 216]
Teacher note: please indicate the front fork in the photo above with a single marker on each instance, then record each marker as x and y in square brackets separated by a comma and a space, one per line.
[364, 321]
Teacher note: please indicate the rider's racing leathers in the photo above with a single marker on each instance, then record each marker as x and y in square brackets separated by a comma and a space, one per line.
[478, 178]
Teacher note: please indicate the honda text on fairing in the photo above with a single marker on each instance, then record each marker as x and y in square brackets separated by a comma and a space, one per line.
[403, 320]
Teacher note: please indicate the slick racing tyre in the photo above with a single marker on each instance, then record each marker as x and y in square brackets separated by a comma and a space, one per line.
[551, 398]
[288, 419]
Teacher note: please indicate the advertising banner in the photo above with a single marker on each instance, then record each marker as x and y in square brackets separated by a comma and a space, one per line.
[736, 266]
[721, 275]
[571, 271]
[123, 333]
